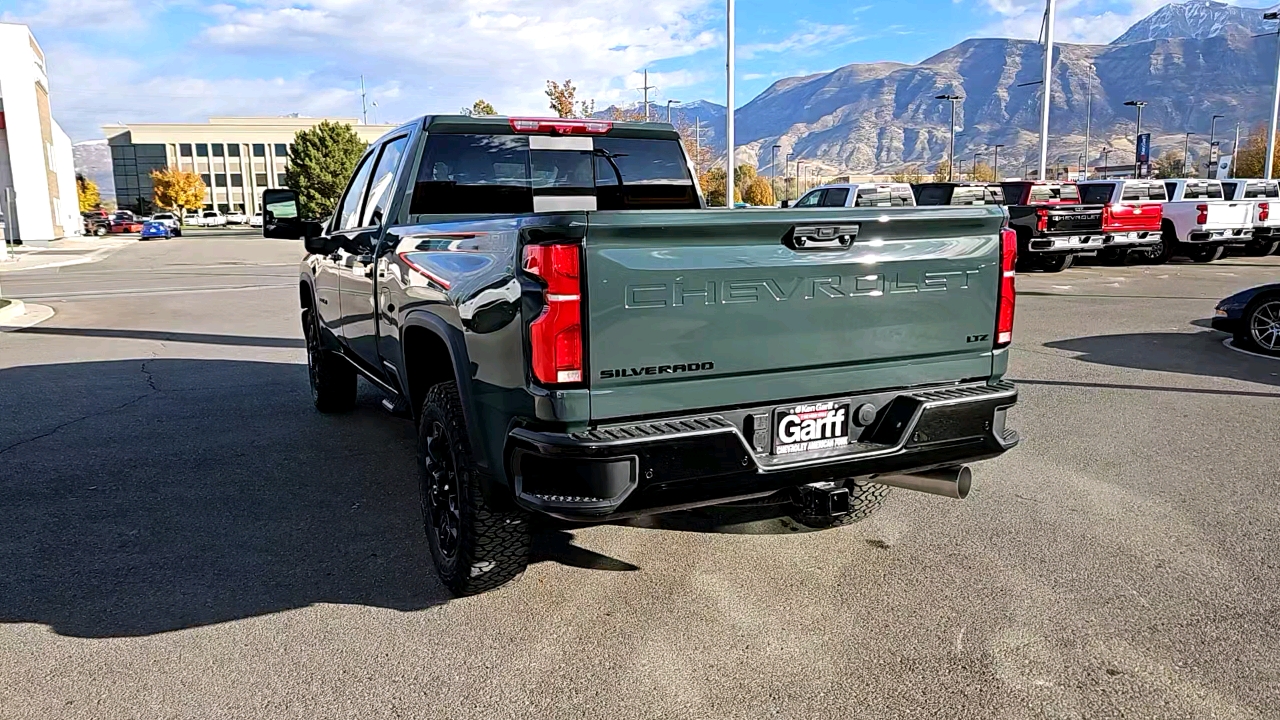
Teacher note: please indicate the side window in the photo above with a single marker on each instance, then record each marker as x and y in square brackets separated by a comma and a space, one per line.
[995, 194]
[810, 200]
[932, 195]
[348, 214]
[873, 197]
[473, 174]
[384, 177]
[1213, 190]
[835, 197]
[1101, 194]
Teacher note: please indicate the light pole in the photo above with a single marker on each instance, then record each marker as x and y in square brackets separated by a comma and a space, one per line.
[669, 110]
[1137, 131]
[1186, 145]
[1235, 148]
[786, 173]
[951, 133]
[1213, 122]
[1088, 123]
[773, 171]
[995, 162]
[728, 127]
[799, 179]
[1046, 90]
[1275, 102]
[1106, 153]
[960, 172]
[974, 171]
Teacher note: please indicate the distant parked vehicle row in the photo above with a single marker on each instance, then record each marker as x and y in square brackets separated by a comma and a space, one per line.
[1264, 194]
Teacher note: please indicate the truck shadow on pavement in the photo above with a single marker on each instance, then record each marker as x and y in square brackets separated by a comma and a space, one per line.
[1199, 353]
[144, 496]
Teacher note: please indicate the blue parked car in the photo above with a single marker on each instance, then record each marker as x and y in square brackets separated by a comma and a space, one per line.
[156, 229]
[1253, 317]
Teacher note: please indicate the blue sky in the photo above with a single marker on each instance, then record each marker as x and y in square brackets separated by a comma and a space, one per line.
[184, 60]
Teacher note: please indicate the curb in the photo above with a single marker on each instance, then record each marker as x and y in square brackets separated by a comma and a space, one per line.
[1228, 343]
[11, 309]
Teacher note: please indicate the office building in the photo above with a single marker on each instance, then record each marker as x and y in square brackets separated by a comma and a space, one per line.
[236, 157]
[37, 172]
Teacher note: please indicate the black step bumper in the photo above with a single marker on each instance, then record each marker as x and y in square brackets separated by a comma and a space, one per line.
[662, 465]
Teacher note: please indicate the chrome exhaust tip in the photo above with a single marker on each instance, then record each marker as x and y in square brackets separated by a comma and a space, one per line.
[952, 482]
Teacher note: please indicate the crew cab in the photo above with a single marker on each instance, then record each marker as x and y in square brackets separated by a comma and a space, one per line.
[1053, 225]
[1265, 196]
[1131, 216]
[858, 195]
[1199, 222]
[212, 218]
[575, 333]
[958, 193]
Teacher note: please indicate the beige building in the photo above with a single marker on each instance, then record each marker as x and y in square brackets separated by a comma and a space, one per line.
[237, 157]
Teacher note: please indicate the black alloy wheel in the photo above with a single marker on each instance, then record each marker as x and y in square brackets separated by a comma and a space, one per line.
[441, 501]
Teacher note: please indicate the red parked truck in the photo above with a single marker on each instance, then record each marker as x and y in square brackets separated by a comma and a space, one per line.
[1132, 211]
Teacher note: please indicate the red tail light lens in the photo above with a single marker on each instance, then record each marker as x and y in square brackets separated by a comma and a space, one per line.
[1042, 220]
[1106, 215]
[1264, 211]
[563, 126]
[1203, 216]
[555, 336]
[1008, 294]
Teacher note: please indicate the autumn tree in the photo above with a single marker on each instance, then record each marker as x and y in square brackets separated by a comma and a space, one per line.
[1168, 165]
[564, 102]
[177, 190]
[982, 172]
[320, 165]
[699, 154]
[759, 192]
[480, 107]
[743, 175]
[942, 172]
[908, 174]
[713, 184]
[87, 193]
[1250, 158]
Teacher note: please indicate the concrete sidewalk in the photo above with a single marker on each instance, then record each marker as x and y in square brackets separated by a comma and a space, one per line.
[60, 253]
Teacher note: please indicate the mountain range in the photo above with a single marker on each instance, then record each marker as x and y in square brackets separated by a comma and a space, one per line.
[1188, 61]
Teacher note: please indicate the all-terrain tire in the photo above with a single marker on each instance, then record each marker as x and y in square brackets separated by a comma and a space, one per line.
[864, 499]
[489, 547]
[332, 379]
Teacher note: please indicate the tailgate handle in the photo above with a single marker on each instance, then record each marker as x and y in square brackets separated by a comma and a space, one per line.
[821, 237]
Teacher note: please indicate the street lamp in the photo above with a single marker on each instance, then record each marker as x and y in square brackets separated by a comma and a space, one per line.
[951, 133]
[786, 173]
[728, 125]
[1136, 131]
[1275, 102]
[669, 109]
[1213, 122]
[799, 179]
[974, 171]
[995, 163]
[1106, 153]
[773, 170]
[960, 171]
[1186, 145]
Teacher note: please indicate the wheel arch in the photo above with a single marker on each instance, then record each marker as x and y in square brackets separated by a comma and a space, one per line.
[432, 352]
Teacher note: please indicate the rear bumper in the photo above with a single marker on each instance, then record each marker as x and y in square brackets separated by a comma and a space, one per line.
[1220, 236]
[662, 465]
[1133, 238]
[1066, 243]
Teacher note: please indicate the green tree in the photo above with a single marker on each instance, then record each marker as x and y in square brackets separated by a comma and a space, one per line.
[320, 165]
[87, 193]
[758, 192]
[908, 174]
[743, 175]
[1168, 165]
[482, 107]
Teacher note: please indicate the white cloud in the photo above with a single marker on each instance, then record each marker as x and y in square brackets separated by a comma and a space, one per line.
[116, 14]
[1077, 21]
[810, 36]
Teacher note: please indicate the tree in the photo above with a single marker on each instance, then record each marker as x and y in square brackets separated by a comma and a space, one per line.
[743, 175]
[713, 187]
[481, 107]
[699, 154]
[1168, 165]
[1252, 154]
[908, 174]
[87, 193]
[759, 192]
[942, 171]
[564, 102]
[320, 165]
[177, 190]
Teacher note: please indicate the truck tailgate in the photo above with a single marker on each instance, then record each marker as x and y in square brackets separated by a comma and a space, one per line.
[1074, 219]
[1229, 214]
[698, 309]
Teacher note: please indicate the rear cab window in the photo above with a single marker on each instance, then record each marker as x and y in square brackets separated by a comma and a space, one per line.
[1065, 193]
[1140, 191]
[883, 196]
[463, 173]
[1260, 190]
[1097, 193]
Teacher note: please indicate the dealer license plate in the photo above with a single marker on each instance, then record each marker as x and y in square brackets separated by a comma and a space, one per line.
[810, 426]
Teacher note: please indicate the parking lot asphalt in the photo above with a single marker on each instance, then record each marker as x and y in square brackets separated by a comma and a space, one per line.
[182, 535]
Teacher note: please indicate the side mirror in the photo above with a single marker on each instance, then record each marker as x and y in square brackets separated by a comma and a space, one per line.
[280, 216]
[786, 203]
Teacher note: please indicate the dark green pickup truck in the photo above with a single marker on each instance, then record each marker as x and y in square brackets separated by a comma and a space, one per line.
[575, 333]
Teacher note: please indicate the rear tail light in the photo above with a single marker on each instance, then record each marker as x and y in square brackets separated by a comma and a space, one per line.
[1203, 216]
[555, 336]
[1042, 220]
[1264, 211]
[1008, 295]
[561, 126]
[1106, 215]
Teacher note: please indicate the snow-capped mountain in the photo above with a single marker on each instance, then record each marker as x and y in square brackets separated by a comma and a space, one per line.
[93, 160]
[1199, 19]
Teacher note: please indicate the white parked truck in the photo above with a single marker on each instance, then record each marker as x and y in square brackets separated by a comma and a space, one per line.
[1265, 196]
[1199, 222]
[859, 195]
[212, 218]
